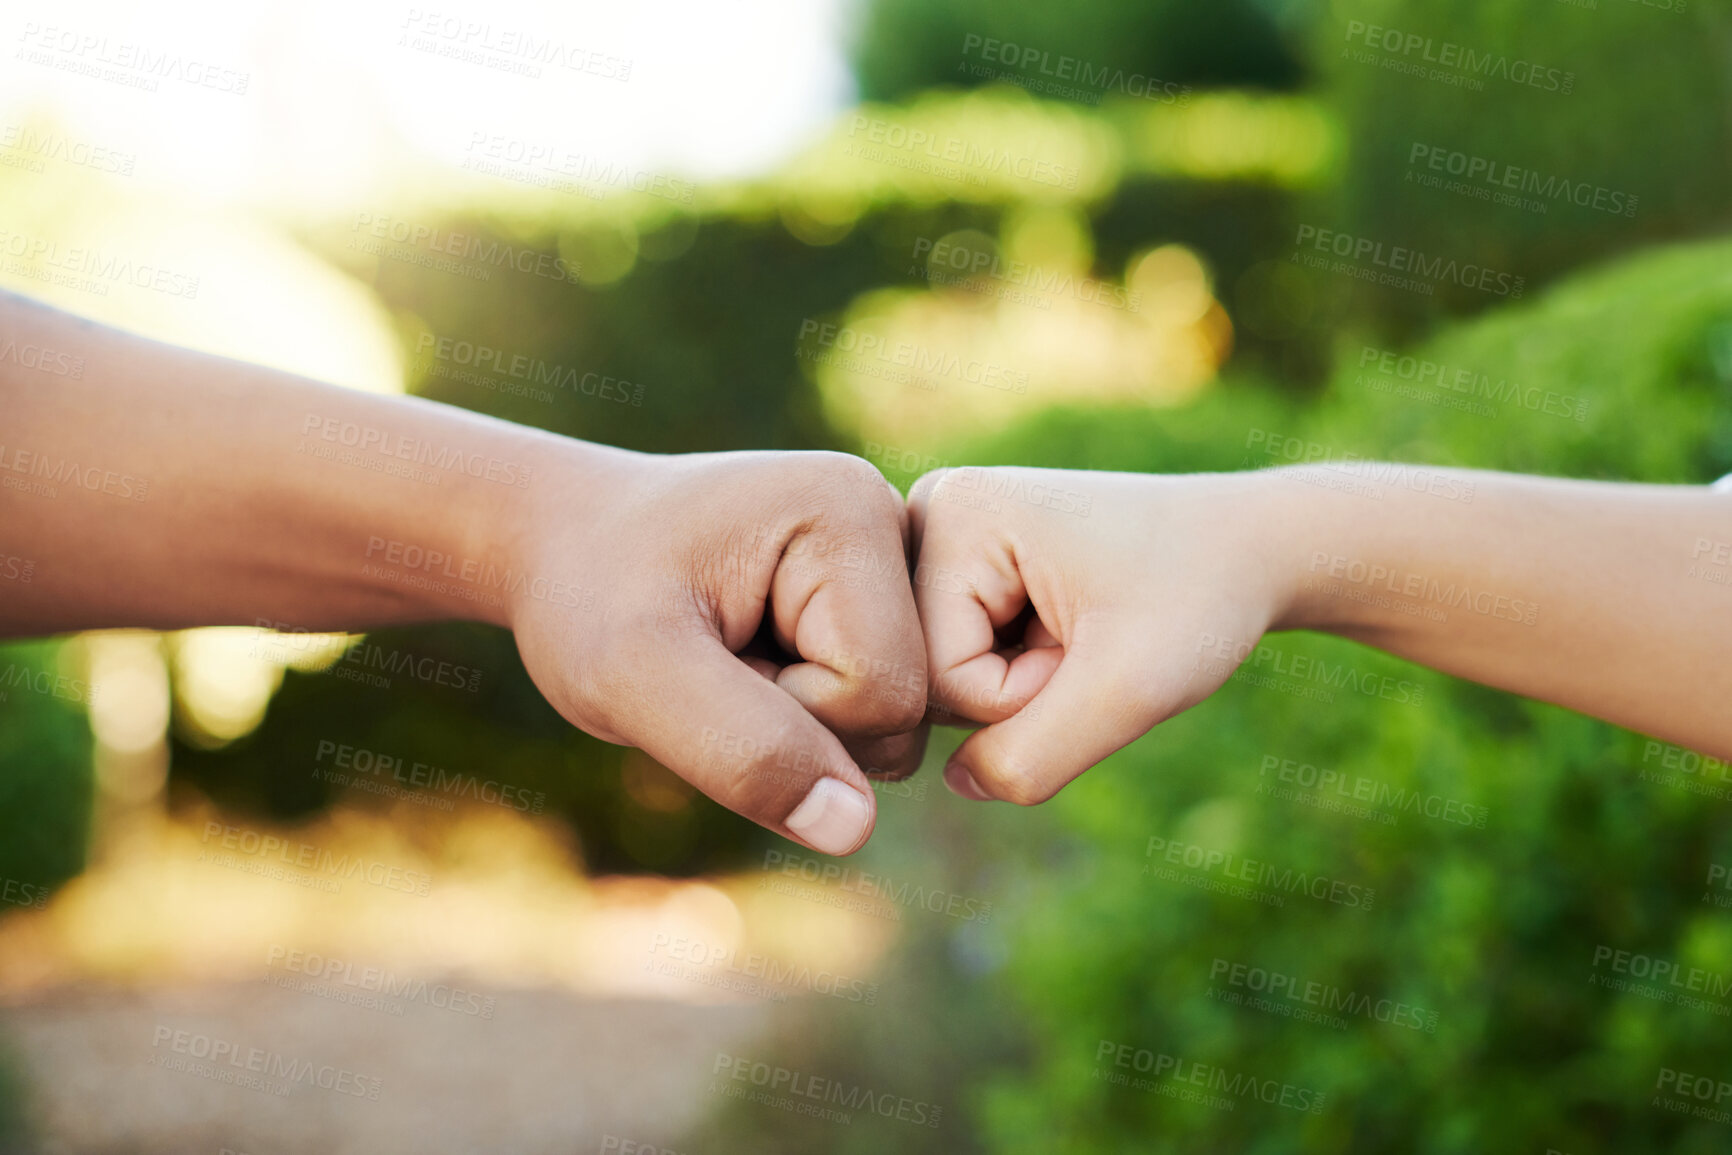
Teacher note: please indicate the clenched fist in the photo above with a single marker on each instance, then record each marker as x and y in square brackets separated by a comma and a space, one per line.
[754, 630]
[1066, 611]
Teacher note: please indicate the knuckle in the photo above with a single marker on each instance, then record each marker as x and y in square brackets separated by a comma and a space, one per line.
[606, 685]
[926, 483]
[1013, 780]
[977, 703]
[907, 710]
[880, 711]
[842, 474]
[770, 782]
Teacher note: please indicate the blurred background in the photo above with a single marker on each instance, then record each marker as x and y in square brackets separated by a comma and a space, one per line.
[1099, 235]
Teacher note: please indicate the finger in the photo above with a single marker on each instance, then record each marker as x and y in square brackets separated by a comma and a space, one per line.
[894, 757]
[1096, 702]
[737, 736]
[850, 615]
[763, 667]
[919, 497]
[1038, 636]
[967, 587]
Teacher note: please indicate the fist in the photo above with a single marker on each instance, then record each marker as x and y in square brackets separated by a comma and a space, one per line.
[1069, 612]
[753, 629]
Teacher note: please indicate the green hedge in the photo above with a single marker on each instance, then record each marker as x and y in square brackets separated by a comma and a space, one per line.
[1486, 935]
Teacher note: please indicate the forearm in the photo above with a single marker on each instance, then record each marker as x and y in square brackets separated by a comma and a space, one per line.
[1597, 596]
[166, 488]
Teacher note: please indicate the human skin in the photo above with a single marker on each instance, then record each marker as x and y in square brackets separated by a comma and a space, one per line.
[1147, 591]
[165, 488]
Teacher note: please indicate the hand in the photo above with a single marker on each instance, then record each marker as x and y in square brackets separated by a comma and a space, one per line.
[1071, 612]
[751, 628]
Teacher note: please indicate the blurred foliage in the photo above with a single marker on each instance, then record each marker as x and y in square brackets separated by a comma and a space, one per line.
[15, 1131]
[1492, 929]
[698, 309]
[1651, 138]
[1623, 334]
[47, 787]
[905, 46]
[46, 778]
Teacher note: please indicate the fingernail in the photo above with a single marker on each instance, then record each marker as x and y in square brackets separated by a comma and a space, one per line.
[833, 817]
[962, 782]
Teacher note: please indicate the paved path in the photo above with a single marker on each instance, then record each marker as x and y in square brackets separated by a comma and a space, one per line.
[550, 1072]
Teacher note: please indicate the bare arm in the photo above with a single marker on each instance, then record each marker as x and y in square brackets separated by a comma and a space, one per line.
[168, 488]
[1149, 590]
[1602, 597]
[165, 488]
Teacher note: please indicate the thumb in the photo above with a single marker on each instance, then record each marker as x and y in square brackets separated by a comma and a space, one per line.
[1096, 701]
[744, 741]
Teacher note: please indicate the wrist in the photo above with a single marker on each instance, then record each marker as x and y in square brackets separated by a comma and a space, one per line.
[1310, 527]
[539, 539]
[1305, 535]
[475, 548]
